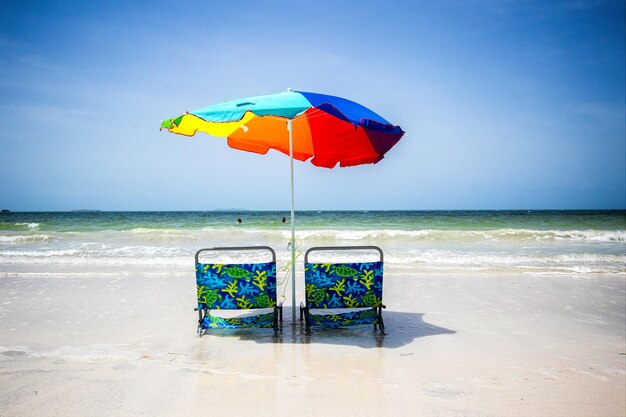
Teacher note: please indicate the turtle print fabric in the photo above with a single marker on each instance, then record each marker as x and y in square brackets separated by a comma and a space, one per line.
[350, 285]
[236, 286]
[337, 286]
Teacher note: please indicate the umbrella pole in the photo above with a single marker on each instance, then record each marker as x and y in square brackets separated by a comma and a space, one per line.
[293, 230]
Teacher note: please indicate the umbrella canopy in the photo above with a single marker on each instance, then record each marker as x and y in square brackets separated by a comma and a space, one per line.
[330, 130]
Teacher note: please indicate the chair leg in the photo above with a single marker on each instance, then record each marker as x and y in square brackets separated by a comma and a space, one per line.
[275, 322]
[200, 329]
[307, 322]
[375, 310]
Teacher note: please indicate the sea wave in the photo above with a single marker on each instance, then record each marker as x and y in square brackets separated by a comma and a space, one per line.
[428, 250]
[37, 238]
[416, 261]
[464, 235]
[268, 235]
[92, 251]
[30, 226]
[407, 235]
[472, 261]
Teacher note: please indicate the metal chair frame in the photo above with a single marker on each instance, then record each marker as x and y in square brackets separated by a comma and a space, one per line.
[305, 311]
[203, 312]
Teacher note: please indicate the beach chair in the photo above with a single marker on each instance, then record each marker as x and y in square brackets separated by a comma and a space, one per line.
[242, 286]
[333, 287]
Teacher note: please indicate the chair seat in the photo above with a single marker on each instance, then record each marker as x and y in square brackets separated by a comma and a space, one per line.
[354, 287]
[265, 320]
[351, 318]
[237, 286]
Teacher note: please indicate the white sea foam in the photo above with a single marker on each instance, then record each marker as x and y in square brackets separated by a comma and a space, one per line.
[439, 260]
[381, 235]
[462, 235]
[521, 250]
[30, 226]
[577, 263]
[103, 252]
[24, 238]
[70, 261]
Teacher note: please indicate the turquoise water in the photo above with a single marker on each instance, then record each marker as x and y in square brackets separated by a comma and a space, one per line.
[490, 242]
[311, 220]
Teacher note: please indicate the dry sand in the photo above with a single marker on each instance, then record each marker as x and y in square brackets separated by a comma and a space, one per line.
[515, 345]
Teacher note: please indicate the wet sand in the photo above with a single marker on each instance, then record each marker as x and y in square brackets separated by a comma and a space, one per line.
[476, 345]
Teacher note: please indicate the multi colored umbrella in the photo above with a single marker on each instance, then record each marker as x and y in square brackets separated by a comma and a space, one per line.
[330, 130]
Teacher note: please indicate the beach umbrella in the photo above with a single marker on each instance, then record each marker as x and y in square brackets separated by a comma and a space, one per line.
[328, 130]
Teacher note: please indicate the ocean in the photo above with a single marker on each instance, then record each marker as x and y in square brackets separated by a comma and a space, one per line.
[414, 242]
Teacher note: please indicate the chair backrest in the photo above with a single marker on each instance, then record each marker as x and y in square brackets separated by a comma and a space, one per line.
[343, 285]
[242, 286]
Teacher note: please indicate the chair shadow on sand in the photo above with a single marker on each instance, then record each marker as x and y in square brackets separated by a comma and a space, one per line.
[400, 329]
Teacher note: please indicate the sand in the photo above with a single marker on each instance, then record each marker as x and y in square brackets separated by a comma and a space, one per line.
[474, 345]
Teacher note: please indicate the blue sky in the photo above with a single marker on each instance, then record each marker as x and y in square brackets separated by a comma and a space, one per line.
[507, 105]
